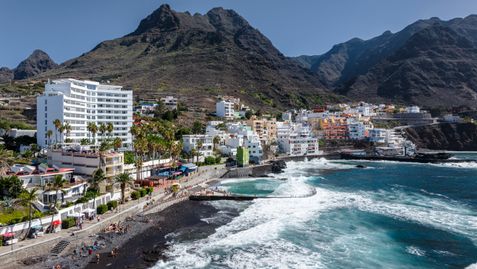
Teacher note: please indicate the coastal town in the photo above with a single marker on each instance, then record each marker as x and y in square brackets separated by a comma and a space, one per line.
[98, 151]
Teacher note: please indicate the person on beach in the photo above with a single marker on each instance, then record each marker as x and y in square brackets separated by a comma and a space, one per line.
[97, 257]
[99, 219]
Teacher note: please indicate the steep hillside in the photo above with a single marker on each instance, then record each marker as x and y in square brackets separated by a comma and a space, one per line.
[430, 63]
[446, 136]
[197, 57]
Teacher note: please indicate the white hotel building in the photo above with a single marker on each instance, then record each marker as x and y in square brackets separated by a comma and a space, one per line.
[79, 102]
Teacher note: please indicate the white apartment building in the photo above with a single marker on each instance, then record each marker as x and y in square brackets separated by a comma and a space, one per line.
[170, 102]
[357, 131]
[191, 142]
[79, 102]
[296, 139]
[242, 135]
[225, 109]
[377, 135]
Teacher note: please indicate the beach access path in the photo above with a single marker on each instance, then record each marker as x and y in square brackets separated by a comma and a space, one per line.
[43, 245]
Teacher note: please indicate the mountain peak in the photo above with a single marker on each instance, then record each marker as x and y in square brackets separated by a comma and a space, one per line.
[163, 18]
[39, 61]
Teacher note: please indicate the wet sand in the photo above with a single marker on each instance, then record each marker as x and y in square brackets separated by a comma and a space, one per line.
[145, 248]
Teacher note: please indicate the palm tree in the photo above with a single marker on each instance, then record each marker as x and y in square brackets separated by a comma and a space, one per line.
[57, 124]
[28, 198]
[216, 141]
[7, 159]
[102, 130]
[110, 128]
[199, 146]
[117, 143]
[98, 177]
[61, 130]
[67, 128]
[176, 151]
[124, 179]
[93, 129]
[57, 185]
[49, 133]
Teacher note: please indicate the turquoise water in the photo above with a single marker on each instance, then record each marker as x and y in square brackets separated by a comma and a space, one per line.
[387, 215]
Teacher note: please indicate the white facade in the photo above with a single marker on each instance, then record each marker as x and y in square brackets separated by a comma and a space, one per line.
[170, 102]
[357, 131]
[78, 103]
[225, 109]
[191, 142]
[86, 163]
[377, 135]
[413, 109]
[20, 132]
[296, 139]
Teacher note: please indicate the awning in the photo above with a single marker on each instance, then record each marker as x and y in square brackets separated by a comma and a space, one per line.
[8, 234]
[76, 215]
[89, 210]
[190, 166]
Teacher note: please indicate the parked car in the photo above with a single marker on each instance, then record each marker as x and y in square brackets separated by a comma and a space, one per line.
[36, 231]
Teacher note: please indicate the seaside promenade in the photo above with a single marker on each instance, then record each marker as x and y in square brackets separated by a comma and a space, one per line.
[10, 255]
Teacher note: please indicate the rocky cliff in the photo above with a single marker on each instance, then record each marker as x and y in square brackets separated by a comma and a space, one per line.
[430, 63]
[445, 136]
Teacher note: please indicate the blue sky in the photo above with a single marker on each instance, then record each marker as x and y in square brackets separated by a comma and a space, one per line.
[66, 29]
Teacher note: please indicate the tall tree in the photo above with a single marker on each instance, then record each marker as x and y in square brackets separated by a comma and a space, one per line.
[102, 130]
[57, 124]
[110, 128]
[93, 129]
[57, 185]
[49, 133]
[117, 143]
[28, 199]
[67, 128]
[95, 180]
[124, 180]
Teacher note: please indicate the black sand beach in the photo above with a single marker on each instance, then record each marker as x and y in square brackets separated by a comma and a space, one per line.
[144, 249]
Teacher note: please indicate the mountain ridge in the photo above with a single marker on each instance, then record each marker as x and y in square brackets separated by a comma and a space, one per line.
[430, 63]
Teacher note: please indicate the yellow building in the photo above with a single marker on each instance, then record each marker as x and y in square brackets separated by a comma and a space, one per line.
[265, 128]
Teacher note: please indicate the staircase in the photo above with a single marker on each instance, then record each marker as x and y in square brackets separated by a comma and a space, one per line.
[58, 248]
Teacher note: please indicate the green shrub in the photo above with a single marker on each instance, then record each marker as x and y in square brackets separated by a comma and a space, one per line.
[68, 223]
[143, 192]
[81, 200]
[15, 220]
[218, 159]
[102, 209]
[209, 160]
[91, 193]
[135, 195]
[149, 190]
[112, 204]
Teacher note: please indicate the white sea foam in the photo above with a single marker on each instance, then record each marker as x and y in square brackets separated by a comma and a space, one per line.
[472, 266]
[466, 165]
[254, 239]
[415, 251]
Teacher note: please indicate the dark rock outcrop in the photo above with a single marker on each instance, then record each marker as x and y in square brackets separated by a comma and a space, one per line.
[36, 63]
[278, 166]
[445, 136]
[6, 75]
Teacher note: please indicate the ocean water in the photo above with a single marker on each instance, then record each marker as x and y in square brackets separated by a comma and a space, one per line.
[387, 215]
